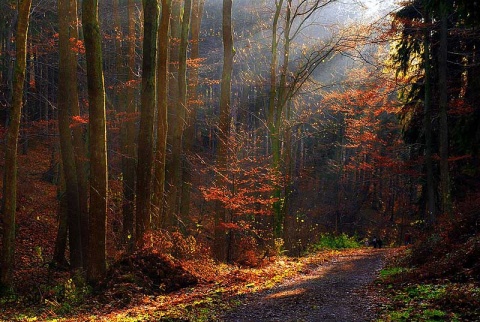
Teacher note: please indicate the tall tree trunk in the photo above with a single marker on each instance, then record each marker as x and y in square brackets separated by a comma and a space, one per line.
[120, 101]
[162, 116]
[148, 105]
[9, 204]
[62, 231]
[272, 102]
[9, 67]
[427, 123]
[443, 88]
[273, 111]
[222, 240]
[78, 131]
[128, 135]
[174, 121]
[189, 135]
[181, 107]
[282, 100]
[67, 89]
[96, 256]
[287, 221]
[178, 120]
[339, 193]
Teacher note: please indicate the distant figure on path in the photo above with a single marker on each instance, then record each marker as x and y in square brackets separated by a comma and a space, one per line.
[377, 242]
[407, 239]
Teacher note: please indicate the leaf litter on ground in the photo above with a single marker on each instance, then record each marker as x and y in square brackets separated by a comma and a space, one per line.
[219, 288]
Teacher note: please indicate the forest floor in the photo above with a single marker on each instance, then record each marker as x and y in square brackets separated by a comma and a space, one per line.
[325, 286]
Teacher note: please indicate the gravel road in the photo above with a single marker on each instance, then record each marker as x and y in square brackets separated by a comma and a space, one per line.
[333, 291]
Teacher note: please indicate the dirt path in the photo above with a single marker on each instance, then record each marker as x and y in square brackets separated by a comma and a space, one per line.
[333, 291]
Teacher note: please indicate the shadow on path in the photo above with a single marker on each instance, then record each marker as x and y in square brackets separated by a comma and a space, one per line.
[332, 291]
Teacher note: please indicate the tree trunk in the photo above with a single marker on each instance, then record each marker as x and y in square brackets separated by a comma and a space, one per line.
[443, 88]
[78, 131]
[8, 65]
[287, 221]
[148, 105]
[10, 172]
[96, 257]
[282, 100]
[67, 88]
[175, 123]
[128, 136]
[427, 123]
[272, 103]
[274, 115]
[162, 116]
[181, 109]
[62, 231]
[222, 240]
[189, 134]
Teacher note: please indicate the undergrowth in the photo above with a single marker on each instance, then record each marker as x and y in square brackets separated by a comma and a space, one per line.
[441, 301]
[331, 241]
[438, 277]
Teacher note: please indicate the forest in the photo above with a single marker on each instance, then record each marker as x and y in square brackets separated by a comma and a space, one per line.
[187, 147]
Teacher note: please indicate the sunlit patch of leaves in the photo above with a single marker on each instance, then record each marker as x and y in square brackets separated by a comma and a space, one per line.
[223, 287]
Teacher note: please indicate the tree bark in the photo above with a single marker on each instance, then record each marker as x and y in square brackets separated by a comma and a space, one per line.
[162, 116]
[175, 123]
[282, 101]
[222, 240]
[128, 135]
[148, 105]
[189, 133]
[427, 123]
[181, 112]
[443, 89]
[9, 203]
[178, 120]
[272, 102]
[62, 231]
[67, 97]
[96, 256]
[78, 131]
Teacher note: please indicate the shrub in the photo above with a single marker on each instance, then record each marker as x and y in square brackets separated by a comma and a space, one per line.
[246, 251]
[172, 244]
[331, 241]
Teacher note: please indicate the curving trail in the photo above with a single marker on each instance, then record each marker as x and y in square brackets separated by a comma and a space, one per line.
[333, 291]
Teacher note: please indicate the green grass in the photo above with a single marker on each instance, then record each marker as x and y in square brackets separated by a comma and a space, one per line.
[421, 293]
[409, 314]
[331, 241]
[400, 315]
[392, 271]
[417, 302]
[432, 302]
